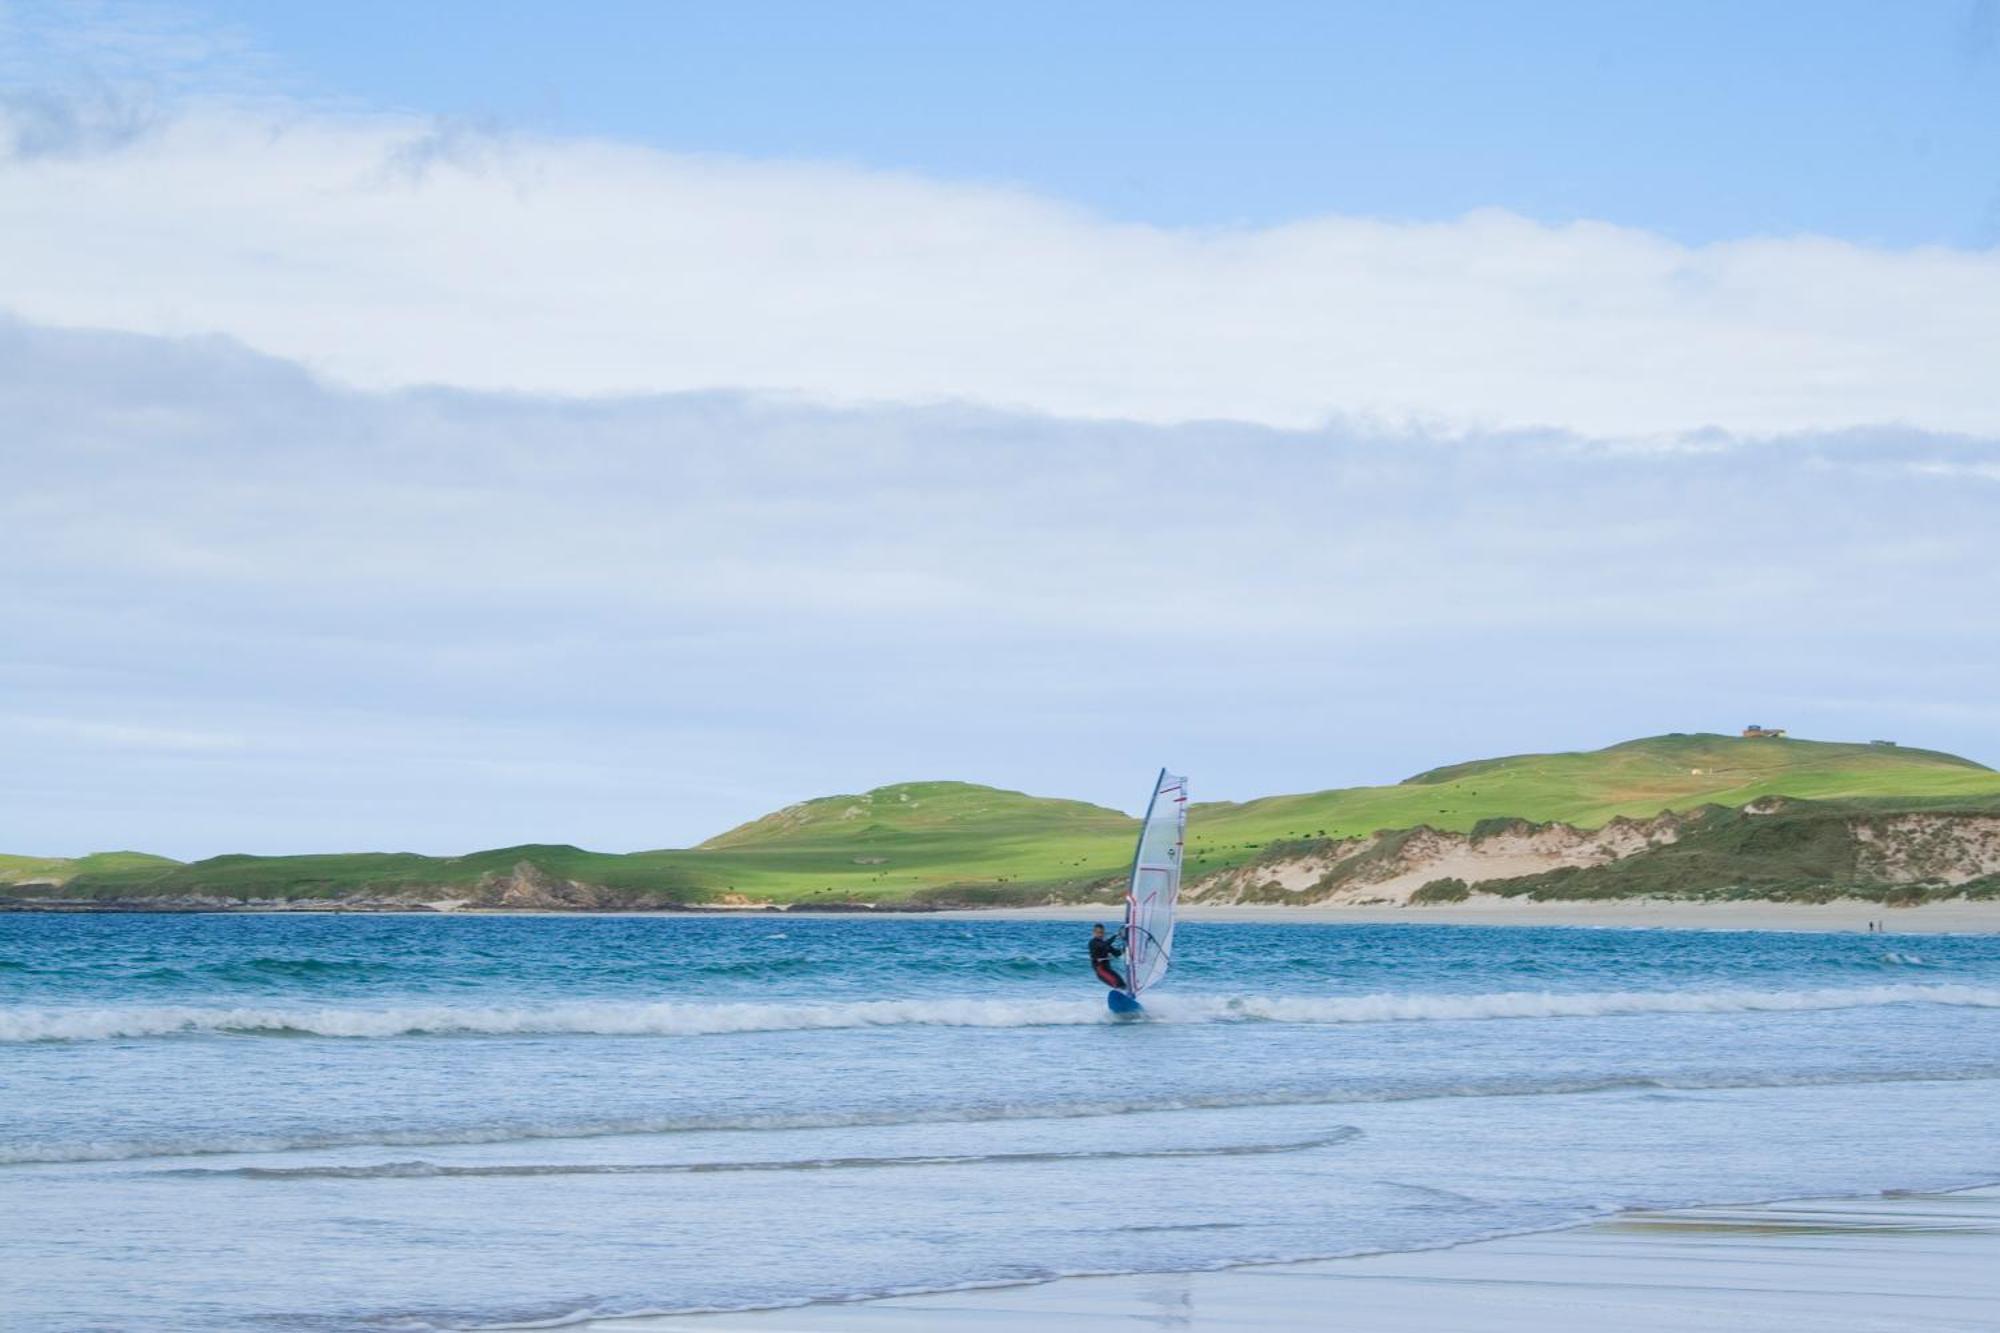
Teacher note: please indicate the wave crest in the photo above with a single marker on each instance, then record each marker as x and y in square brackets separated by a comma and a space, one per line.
[414, 1170]
[614, 1018]
[229, 1144]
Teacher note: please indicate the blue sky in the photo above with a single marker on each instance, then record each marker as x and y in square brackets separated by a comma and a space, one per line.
[444, 426]
[1874, 122]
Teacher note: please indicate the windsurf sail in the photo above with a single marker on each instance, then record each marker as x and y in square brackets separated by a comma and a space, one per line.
[1156, 885]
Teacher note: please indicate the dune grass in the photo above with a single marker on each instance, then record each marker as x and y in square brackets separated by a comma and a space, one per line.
[1797, 851]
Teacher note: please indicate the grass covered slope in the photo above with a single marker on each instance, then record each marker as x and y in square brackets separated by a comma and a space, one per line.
[1589, 788]
[917, 836]
[638, 877]
[1900, 853]
[59, 869]
[927, 841]
[955, 842]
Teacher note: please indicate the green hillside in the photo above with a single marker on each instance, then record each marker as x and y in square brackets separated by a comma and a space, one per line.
[933, 842]
[972, 843]
[56, 869]
[663, 876]
[1588, 788]
[1790, 851]
[913, 836]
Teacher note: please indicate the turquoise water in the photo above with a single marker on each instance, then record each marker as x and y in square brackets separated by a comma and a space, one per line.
[418, 1122]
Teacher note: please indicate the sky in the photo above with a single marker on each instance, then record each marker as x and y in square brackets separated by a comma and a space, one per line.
[1873, 122]
[453, 426]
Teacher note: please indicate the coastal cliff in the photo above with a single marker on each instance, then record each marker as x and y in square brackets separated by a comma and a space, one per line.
[1774, 848]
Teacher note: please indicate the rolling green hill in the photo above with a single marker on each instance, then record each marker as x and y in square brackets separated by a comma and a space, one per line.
[917, 836]
[953, 842]
[1797, 851]
[905, 842]
[382, 875]
[56, 869]
[1588, 788]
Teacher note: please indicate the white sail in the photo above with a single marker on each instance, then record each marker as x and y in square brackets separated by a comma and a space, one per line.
[1156, 885]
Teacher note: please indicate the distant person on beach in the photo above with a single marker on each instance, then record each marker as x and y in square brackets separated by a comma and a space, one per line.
[1102, 951]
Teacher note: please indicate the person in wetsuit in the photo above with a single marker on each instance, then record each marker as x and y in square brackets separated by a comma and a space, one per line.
[1102, 951]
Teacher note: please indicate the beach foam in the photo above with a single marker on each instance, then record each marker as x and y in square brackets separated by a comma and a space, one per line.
[624, 1018]
[424, 1170]
[230, 1144]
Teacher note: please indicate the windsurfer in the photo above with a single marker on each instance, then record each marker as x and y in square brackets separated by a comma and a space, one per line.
[1102, 951]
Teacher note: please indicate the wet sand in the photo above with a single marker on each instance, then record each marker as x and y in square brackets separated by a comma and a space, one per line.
[1902, 1262]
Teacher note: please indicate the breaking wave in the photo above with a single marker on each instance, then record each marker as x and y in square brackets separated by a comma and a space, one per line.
[432, 1170]
[211, 1144]
[612, 1018]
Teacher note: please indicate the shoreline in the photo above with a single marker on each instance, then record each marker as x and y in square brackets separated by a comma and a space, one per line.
[1897, 1260]
[1945, 918]
[1957, 916]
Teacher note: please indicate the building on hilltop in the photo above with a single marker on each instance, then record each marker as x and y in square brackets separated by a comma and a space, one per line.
[1753, 732]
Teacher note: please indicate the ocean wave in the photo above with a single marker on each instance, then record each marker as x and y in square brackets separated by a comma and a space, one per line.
[229, 1144]
[613, 1018]
[420, 1170]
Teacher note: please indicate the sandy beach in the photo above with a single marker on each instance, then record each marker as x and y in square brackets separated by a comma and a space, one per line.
[1956, 917]
[1868, 1265]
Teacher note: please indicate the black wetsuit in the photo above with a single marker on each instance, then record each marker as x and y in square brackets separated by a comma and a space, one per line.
[1101, 954]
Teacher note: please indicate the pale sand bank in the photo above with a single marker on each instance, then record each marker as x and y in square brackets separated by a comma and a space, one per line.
[1904, 1263]
[1947, 918]
[1958, 917]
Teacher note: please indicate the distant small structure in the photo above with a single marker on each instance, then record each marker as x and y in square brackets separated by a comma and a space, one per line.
[1753, 732]
[1887, 745]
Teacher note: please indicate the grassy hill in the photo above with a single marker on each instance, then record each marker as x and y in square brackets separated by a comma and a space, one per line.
[1797, 851]
[968, 842]
[917, 836]
[391, 874]
[929, 842]
[1588, 788]
[56, 869]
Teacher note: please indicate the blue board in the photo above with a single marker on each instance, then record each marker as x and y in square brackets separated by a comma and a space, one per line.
[1122, 1002]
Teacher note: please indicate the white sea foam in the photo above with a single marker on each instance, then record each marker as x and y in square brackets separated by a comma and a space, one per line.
[414, 1170]
[230, 1144]
[669, 1019]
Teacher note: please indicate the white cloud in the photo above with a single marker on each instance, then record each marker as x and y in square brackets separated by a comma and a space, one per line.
[113, 736]
[443, 620]
[387, 252]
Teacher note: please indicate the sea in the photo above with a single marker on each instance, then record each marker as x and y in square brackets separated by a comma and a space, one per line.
[426, 1122]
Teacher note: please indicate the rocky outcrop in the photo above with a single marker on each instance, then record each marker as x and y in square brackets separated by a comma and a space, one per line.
[1388, 866]
[1775, 847]
[1928, 848]
[527, 887]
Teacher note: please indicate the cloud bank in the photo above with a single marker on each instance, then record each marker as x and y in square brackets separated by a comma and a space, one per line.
[255, 610]
[387, 252]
